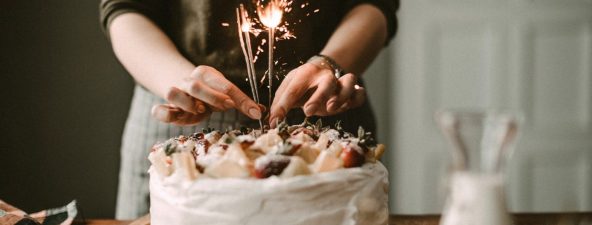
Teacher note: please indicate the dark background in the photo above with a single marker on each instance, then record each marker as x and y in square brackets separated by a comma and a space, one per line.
[64, 103]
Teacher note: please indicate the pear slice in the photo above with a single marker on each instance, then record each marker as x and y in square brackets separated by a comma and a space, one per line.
[296, 167]
[302, 137]
[266, 141]
[326, 162]
[158, 159]
[235, 153]
[226, 168]
[322, 142]
[378, 151]
[184, 163]
[335, 149]
[308, 153]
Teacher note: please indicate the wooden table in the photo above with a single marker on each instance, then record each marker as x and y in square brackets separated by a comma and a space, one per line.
[580, 218]
[519, 219]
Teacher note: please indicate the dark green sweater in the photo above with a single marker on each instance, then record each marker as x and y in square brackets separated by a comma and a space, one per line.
[195, 26]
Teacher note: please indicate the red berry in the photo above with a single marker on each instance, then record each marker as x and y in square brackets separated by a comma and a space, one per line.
[352, 156]
[268, 166]
[203, 143]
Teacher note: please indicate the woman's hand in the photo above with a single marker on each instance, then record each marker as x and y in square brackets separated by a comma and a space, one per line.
[169, 113]
[358, 39]
[204, 91]
[317, 91]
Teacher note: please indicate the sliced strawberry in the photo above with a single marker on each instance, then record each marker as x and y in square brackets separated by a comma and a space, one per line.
[352, 156]
[270, 165]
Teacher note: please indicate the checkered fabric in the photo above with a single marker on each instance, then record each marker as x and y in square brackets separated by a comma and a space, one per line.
[10, 215]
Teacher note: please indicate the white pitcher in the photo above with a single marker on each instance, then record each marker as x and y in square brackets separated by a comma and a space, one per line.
[482, 142]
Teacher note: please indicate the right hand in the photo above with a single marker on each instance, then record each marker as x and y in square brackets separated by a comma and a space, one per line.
[204, 91]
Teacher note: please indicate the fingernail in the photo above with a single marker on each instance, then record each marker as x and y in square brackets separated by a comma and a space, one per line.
[228, 104]
[273, 122]
[262, 108]
[310, 109]
[201, 109]
[344, 106]
[254, 113]
[331, 106]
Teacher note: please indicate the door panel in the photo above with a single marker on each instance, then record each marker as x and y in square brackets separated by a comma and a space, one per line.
[534, 56]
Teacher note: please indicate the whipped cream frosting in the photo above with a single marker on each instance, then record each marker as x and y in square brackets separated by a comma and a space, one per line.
[345, 197]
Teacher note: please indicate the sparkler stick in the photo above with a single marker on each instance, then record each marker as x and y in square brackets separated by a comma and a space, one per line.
[270, 63]
[244, 26]
[271, 16]
[249, 50]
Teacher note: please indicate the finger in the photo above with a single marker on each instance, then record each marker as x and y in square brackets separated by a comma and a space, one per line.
[240, 100]
[182, 100]
[346, 88]
[358, 97]
[287, 100]
[195, 86]
[278, 113]
[197, 89]
[282, 87]
[200, 106]
[317, 102]
[175, 115]
[288, 97]
[343, 108]
[165, 113]
[262, 108]
[187, 118]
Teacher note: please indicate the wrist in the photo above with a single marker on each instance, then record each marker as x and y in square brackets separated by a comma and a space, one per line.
[326, 62]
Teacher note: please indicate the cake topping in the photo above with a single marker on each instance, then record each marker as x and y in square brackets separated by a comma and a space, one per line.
[270, 165]
[286, 151]
[352, 155]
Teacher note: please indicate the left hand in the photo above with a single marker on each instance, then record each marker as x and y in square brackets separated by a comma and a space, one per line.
[173, 114]
[182, 109]
[317, 91]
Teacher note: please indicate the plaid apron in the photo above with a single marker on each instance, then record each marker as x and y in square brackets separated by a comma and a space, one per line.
[140, 133]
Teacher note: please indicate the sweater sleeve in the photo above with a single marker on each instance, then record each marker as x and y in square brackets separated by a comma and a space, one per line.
[155, 10]
[389, 9]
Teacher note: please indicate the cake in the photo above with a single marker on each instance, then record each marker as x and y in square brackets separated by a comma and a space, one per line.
[300, 174]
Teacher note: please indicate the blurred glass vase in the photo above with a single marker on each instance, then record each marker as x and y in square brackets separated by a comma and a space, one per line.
[481, 143]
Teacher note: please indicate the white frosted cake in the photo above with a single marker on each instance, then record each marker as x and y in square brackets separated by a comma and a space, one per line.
[301, 174]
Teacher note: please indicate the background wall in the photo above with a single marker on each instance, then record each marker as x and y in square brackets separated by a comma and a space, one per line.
[528, 56]
[64, 102]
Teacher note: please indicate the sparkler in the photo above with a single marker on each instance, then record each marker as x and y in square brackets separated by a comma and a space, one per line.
[244, 26]
[271, 16]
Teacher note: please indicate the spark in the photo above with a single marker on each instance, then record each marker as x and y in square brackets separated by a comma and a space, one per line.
[271, 14]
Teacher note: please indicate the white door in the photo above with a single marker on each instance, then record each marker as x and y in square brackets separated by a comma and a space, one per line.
[530, 55]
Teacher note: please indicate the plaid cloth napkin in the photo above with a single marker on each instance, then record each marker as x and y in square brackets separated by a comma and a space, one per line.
[9, 215]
